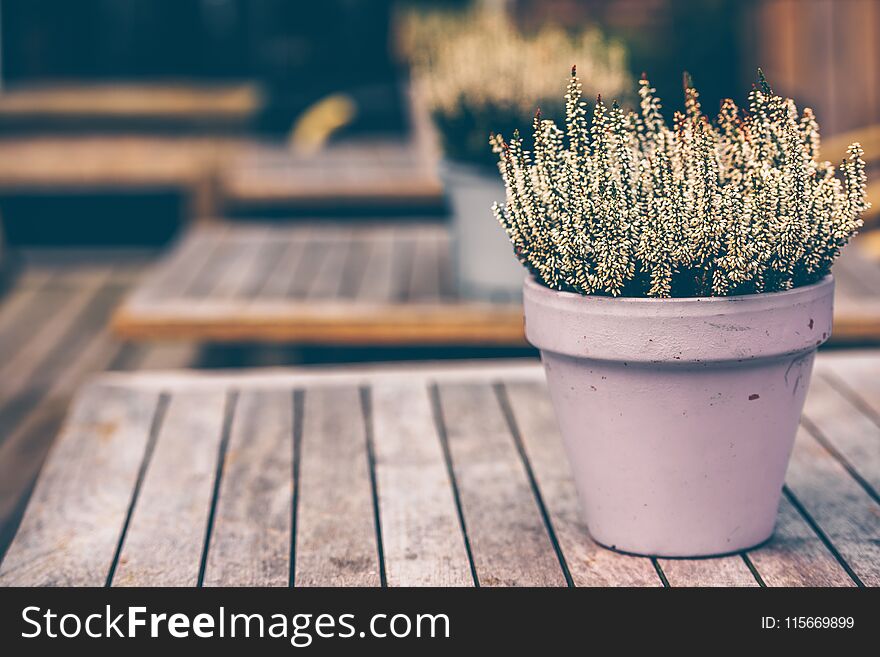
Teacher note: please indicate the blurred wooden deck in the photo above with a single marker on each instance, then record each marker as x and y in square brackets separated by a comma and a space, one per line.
[450, 476]
[319, 284]
[53, 334]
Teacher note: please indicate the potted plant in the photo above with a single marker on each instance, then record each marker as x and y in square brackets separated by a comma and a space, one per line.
[478, 73]
[679, 286]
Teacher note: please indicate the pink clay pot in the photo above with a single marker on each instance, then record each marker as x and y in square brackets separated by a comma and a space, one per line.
[679, 415]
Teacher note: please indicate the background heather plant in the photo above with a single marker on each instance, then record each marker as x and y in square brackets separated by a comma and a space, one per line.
[623, 204]
[479, 72]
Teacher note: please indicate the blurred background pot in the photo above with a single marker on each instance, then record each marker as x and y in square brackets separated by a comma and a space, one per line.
[679, 415]
[482, 254]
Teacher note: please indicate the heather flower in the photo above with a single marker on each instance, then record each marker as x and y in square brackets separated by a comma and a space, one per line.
[624, 204]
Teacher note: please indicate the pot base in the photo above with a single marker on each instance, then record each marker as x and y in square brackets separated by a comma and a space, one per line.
[714, 555]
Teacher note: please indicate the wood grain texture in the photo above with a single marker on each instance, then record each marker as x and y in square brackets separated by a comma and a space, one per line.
[376, 474]
[588, 563]
[838, 505]
[250, 543]
[422, 538]
[508, 539]
[850, 434]
[722, 571]
[795, 556]
[73, 524]
[166, 535]
[336, 542]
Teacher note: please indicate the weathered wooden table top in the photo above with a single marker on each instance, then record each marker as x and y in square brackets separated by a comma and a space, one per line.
[365, 285]
[320, 283]
[423, 476]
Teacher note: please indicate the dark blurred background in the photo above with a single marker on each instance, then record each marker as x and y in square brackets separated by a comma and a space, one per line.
[291, 54]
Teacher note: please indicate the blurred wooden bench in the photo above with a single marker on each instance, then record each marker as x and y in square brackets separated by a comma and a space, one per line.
[102, 163]
[319, 284]
[185, 479]
[129, 105]
[326, 284]
[267, 178]
[367, 173]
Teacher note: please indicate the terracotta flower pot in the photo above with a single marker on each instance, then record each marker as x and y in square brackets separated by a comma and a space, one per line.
[482, 255]
[679, 415]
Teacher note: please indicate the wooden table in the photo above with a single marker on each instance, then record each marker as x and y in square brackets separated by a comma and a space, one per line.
[318, 284]
[332, 284]
[428, 476]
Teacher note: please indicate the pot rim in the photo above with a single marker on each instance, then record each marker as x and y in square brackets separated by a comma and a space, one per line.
[684, 329]
[532, 282]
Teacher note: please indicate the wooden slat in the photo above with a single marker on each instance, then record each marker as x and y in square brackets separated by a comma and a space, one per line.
[177, 271]
[856, 378]
[723, 571]
[424, 280]
[838, 505]
[378, 281]
[846, 430]
[336, 542]
[325, 281]
[15, 372]
[795, 556]
[508, 539]
[243, 268]
[250, 543]
[588, 563]
[166, 536]
[23, 309]
[422, 540]
[73, 523]
[26, 442]
[282, 274]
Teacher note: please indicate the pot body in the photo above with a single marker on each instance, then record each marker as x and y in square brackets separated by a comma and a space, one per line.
[483, 256]
[679, 415]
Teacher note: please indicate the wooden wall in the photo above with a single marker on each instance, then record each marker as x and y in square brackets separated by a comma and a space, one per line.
[823, 53]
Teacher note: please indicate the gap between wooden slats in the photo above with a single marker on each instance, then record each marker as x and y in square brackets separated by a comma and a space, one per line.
[508, 538]
[72, 525]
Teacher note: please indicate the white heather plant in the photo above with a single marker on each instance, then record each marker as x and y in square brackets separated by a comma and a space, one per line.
[479, 72]
[622, 204]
